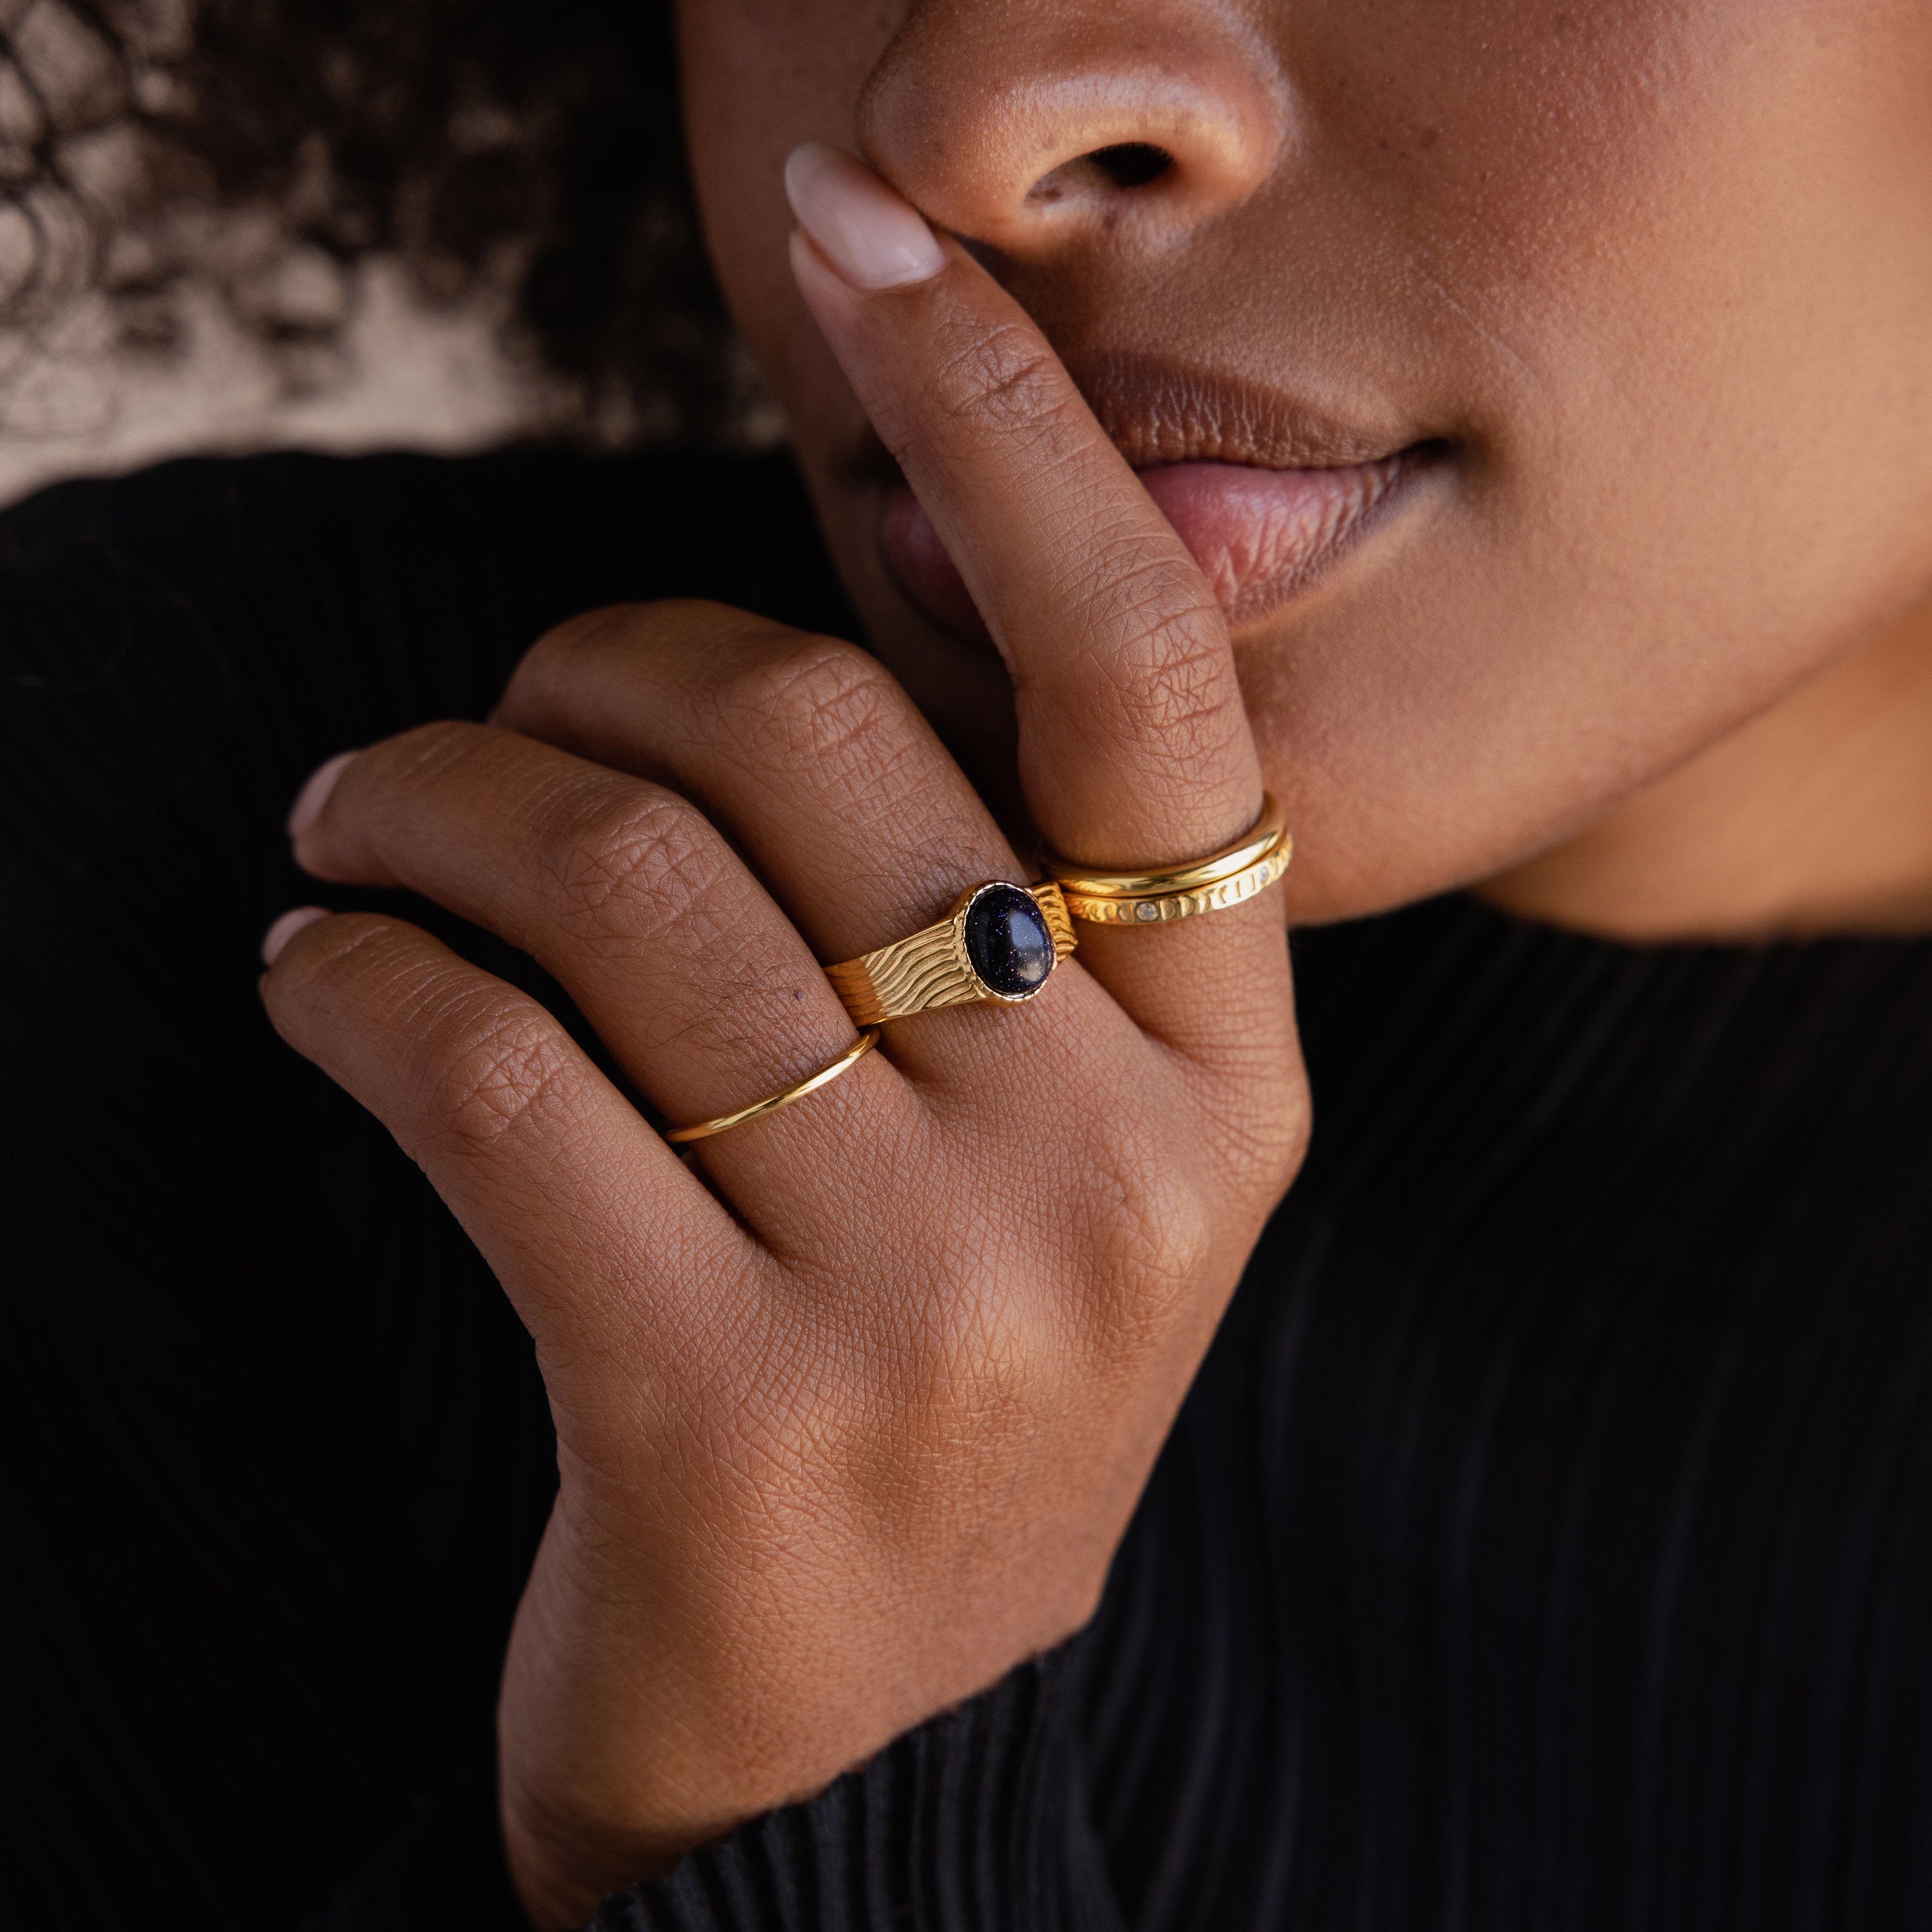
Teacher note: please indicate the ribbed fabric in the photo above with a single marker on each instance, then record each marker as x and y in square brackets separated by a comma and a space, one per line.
[1546, 1543]
[274, 1453]
[973, 1821]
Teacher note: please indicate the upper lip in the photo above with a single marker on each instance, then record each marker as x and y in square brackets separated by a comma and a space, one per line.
[1158, 412]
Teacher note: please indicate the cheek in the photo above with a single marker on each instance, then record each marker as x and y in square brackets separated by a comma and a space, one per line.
[1674, 281]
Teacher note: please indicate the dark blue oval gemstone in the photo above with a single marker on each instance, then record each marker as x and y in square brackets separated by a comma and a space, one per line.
[1007, 941]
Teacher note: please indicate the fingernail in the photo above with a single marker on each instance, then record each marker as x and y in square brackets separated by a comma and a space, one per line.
[314, 795]
[872, 236]
[286, 928]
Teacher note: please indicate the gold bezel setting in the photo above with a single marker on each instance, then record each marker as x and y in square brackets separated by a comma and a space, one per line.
[933, 967]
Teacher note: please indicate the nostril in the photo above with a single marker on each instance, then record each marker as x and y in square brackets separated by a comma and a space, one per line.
[1126, 164]
[1132, 163]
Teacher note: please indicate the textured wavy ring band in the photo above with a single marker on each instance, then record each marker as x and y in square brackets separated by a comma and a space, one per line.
[1000, 942]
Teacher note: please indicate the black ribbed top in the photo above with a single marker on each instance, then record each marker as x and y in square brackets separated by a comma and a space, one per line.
[1546, 1543]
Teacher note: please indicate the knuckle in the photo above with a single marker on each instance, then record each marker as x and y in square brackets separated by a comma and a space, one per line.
[1177, 720]
[477, 1059]
[588, 631]
[1166, 651]
[1005, 376]
[1150, 1232]
[990, 1346]
[1293, 1128]
[813, 706]
[537, 699]
[1252, 1098]
[1162, 1252]
[545, 693]
[1278, 1150]
[1262, 1151]
[634, 854]
[628, 629]
[492, 1064]
[1151, 655]
[554, 655]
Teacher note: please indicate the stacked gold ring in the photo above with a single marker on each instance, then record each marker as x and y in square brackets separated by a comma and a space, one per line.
[1252, 864]
[1001, 942]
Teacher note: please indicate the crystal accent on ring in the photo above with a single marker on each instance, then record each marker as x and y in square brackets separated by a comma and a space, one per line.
[1007, 942]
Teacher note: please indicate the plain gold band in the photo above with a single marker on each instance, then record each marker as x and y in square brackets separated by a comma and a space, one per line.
[1157, 896]
[797, 1090]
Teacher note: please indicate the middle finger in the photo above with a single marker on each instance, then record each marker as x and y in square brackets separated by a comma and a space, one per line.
[816, 763]
[769, 730]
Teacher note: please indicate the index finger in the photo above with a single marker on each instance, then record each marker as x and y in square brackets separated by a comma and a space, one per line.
[1134, 748]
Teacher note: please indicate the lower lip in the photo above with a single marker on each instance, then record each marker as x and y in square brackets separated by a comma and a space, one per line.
[1261, 537]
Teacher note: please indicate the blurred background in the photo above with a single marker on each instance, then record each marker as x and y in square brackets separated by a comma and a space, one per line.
[229, 225]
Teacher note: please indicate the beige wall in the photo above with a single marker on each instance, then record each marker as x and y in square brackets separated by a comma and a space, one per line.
[404, 375]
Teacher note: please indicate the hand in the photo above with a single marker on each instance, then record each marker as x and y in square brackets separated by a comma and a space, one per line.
[851, 1421]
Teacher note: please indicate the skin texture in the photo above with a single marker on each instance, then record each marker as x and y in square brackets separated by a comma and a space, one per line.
[852, 1412]
[1658, 275]
[846, 1433]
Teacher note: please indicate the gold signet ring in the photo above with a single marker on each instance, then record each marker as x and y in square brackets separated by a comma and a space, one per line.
[1000, 942]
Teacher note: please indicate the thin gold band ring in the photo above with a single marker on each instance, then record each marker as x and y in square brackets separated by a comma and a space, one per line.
[785, 1096]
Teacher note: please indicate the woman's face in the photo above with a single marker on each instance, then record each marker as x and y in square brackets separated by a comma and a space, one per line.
[1546, 385]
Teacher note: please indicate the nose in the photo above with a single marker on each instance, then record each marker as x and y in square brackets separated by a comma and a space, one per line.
[1024, 124]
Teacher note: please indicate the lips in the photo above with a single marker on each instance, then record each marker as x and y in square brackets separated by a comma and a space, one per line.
[1261, 535]
[1266, 497]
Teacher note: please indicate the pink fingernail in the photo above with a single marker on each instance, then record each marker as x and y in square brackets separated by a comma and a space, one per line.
[286, 928]
[314, 794]
[874, 238]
